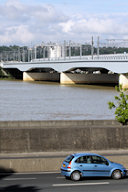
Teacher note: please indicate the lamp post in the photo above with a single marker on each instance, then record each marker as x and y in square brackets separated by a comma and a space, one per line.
[92, 48]
[98, 47]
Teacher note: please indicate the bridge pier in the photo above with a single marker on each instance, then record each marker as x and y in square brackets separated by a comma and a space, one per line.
[91, 78]
[73, 78]
[123, 80]
[40, 76]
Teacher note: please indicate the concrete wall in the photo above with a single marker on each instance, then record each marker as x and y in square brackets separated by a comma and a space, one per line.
[32, 146]
[39, 162]
[69, 78]
[43, 136]
[31, 76]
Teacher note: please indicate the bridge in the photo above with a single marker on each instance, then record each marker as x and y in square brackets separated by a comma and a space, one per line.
[97, 69]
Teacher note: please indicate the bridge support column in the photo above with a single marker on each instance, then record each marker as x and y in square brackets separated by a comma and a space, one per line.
[36, 76]
[69, 78]
[123, 80]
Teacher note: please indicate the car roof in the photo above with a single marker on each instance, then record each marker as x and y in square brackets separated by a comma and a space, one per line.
[84, 154]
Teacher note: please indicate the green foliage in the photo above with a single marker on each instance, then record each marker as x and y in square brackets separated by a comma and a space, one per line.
[120, 105]
[8, 48]
[1, 72]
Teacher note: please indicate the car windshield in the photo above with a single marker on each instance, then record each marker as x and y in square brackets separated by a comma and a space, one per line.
[69, 158]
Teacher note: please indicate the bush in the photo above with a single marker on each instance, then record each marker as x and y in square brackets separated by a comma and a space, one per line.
[120, 105]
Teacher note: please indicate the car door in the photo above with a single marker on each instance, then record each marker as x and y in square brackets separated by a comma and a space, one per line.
[100, 166]
[85, 165]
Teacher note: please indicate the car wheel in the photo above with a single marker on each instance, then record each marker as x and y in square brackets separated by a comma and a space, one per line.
[75, 176]
[116, 174]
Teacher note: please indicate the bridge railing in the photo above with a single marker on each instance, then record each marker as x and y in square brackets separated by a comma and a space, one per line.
[110, 57]
[88, 57]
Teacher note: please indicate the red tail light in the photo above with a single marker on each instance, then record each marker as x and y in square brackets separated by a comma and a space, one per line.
[69, 165]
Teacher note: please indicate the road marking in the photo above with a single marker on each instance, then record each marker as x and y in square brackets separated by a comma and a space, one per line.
[60, 177]
[79, 184]
[37, 173]
[14, 179]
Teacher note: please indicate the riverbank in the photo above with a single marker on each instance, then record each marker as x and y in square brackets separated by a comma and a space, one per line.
[62, 135]
[5, 76]
[35, 146]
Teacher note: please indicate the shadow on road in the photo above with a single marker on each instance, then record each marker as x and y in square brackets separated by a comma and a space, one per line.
[18, 188]
[5, 172]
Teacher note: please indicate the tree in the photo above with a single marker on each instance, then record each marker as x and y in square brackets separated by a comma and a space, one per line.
[120, 105]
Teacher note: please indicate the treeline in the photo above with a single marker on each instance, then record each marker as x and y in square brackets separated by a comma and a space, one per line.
[11, 48]
[111, 50]
[86, 50]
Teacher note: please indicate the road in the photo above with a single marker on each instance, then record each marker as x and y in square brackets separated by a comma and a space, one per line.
[54, 182]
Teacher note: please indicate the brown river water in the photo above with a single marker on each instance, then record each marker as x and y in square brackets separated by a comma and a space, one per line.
[51, 101]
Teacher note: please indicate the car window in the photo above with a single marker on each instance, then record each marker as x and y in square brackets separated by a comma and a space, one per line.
[84, 159]
[99, 160]
[69, 158]
[89, 159]
[81, 159]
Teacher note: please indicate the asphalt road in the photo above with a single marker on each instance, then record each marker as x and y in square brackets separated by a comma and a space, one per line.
[54, 182]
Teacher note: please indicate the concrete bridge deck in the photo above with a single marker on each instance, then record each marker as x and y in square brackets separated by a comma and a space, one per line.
[117, 63]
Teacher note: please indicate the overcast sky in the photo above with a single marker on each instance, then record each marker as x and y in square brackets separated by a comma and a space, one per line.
[26, 22]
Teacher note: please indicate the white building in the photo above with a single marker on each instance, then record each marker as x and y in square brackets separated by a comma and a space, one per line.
[55, 51]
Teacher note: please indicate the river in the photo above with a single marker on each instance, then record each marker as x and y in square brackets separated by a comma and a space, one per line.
[51, 101]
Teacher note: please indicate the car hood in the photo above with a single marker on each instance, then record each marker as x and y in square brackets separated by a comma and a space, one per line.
[117, 164]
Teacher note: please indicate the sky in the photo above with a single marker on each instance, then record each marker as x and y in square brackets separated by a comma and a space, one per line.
[30, 22]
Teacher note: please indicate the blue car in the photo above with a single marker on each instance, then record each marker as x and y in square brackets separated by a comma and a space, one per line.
[79, 165]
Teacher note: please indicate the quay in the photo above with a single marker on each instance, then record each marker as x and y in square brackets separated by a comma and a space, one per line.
[36, 146]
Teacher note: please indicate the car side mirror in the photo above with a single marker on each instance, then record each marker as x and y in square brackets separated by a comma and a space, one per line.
[107, 163]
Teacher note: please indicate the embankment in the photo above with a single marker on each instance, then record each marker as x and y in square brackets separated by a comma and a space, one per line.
[43, 136]
[34, 138]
